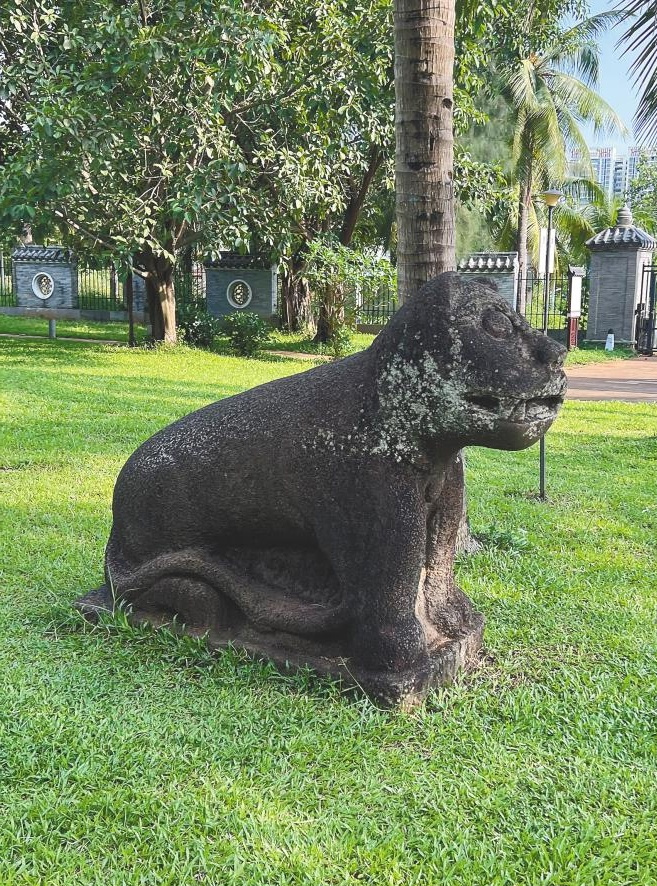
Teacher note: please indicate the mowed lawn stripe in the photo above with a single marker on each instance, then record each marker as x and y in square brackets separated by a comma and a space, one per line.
[134, 757]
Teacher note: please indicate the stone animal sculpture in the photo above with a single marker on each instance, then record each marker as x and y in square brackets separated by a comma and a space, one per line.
[312, 520]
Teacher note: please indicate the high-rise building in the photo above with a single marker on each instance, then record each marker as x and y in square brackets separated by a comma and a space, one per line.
[603, 161]
[613, 173]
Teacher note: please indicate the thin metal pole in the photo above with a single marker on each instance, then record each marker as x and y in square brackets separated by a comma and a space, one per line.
[548, 259]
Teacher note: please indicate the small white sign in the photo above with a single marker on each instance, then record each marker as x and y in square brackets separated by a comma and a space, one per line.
[575, 306]
[609, 344]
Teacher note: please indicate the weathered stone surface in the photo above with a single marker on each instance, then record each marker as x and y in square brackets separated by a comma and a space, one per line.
[312, 520]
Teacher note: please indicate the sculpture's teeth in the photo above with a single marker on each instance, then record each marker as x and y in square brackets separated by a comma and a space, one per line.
[519, 413]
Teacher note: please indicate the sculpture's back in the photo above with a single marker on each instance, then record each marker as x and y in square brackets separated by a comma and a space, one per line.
[312, 520]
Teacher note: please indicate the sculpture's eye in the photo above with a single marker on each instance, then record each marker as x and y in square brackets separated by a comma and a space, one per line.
[497, 324]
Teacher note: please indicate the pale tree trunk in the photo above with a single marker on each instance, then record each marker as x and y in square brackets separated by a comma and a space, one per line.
[295, 293]
[331, 314]
[524, 202]
[424, 158]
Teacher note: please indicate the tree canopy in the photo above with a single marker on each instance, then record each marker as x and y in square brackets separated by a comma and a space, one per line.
[142, 127]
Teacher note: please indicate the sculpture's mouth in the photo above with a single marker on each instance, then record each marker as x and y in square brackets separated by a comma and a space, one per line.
[530, 411]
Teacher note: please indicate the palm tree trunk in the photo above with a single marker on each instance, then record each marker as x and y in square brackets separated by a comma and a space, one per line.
[524, 203]
[424, 66]
[424, 159]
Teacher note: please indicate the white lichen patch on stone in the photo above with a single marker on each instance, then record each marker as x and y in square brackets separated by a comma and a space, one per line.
[417, 402]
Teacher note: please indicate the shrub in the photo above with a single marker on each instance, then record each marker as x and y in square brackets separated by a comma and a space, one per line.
[247, 332]
[341, 343]
[196, 327]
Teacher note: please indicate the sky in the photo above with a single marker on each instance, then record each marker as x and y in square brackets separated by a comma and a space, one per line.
[615, 84]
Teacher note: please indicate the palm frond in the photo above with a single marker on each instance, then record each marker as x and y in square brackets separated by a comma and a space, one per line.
[586, 105]
[577, 49]
[640, 38]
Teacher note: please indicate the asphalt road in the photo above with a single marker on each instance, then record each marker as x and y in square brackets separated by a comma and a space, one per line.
[634, 380]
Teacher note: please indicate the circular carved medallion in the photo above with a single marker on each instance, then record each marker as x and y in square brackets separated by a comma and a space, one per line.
[43, 285]
[239, 293]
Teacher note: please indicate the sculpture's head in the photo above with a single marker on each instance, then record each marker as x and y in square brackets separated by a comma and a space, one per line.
[459, 365]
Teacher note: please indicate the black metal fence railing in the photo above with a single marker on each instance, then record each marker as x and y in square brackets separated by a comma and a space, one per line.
[99, 288]
[645, 330]
[375, 306]
[190, 284]
[546, 303]
[7, 294]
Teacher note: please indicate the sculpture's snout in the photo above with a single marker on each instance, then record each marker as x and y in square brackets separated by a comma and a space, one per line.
[550, 352]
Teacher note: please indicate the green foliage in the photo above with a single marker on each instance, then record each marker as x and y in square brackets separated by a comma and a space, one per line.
[643, 196]
[576, 221]
[336, 274]
[551, 93]
[198, 328]
[253, 124]
[331, 265]
[341, 342]
[640, 40]
[246, 331]
[248, 776]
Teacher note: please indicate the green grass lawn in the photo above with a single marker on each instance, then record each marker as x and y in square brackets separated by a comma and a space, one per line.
[129, 757]
[279, 341]
[595, 353]
[68, 328]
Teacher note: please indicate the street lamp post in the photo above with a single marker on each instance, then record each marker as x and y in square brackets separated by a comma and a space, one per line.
[550, 198]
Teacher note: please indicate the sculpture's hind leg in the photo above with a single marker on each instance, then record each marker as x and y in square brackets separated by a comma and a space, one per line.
[186, 601]
[178, 599]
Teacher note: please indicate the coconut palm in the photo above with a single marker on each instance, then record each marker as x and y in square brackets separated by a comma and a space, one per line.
[552, 93]
[640, 39]
[576, 221]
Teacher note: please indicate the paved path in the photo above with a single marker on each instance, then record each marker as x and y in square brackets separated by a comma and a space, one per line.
[632, 380]
[35, 337]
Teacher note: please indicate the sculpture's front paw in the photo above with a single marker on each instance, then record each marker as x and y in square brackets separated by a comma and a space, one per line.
[391, 646]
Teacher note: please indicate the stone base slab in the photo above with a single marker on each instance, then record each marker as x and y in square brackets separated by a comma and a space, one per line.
[387, 688]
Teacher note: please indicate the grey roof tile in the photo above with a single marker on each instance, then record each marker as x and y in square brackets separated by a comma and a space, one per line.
[35, 253]
[622, 235]
[234, 260]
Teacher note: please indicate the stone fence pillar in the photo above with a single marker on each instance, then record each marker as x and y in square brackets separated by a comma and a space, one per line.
[44, 277]
[618, 256]
[500, 267]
